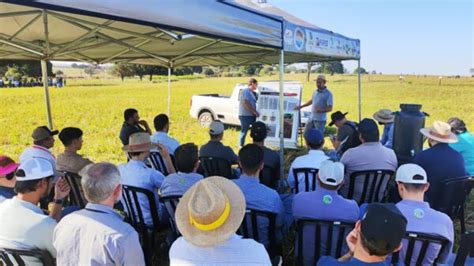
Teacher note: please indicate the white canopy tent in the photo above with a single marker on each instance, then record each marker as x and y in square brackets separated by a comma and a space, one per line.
[166, 33]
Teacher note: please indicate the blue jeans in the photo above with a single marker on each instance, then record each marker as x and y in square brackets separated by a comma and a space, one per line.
[245, 122]
[319, 125]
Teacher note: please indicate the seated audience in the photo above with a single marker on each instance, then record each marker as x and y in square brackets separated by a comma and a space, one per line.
[136, 173]
[370, 155]
[324, 204]
[315, 142]
[97, 235]
[412, 184]
[131, 125]
[187, 163]
[386, 117]
[465, 144]
[347, 134]
[23, 224]
[43, 141]
[162, 126]
[271, 158]
[208, 215]
[440, 161]
[378, 234]
[7, 178]
[259, 196]
[70, 160]
[215, 148]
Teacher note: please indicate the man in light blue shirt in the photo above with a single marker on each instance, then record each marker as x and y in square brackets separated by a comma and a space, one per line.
[322, 102]
[412, 184]
[259, 196]
[324, 204]
[162, 126]
[385, 117]
[465, 144]
[97, 235]
[187, 163]
[136, 173]
[247, 109]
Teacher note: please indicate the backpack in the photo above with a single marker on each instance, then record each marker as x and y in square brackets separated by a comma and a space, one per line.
[353, 139]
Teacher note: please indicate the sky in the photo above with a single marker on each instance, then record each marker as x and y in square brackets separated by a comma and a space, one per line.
[398, 36]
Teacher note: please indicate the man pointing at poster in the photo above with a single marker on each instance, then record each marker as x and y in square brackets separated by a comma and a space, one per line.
[322, 103]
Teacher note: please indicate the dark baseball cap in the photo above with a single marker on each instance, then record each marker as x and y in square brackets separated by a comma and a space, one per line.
[258, 131]
[43, 132]
[383, 222]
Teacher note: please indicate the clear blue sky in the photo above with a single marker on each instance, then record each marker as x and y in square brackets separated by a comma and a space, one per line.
[399, 36]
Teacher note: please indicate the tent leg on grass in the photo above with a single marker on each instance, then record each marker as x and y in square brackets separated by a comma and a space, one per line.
[281, 98]
[169, 91]
[44, 71]
[359, 90]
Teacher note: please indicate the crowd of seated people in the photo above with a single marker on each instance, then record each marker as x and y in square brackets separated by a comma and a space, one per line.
[34, 197]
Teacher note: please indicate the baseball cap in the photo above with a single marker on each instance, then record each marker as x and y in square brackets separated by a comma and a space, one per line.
[331, 173]
[34, 169]
[258, 131]
[411, 174]
[383, 222]
[313, 136]
[43, 132]
[216, 127]
[367, 125]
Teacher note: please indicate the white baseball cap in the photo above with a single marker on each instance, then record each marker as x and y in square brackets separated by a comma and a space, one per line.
[331, 173]
[216, 127]
[411, 174]
[34, 169]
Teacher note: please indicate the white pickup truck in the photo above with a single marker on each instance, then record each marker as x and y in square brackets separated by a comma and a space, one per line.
[209, 107]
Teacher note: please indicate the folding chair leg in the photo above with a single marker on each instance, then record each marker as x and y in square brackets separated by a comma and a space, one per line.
[463, 222]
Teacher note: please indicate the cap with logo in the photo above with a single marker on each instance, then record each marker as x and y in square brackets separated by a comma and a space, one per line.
[43, 132]
[331, 173]
[411, 174]
[34, 169]
[216, 127]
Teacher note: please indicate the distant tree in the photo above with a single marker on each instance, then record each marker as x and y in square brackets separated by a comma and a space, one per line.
[291, 69]
[74, 65]
[182, 71]
[334, 67]
[374, 72]
[209, 72]
[122, 70]
[14, 72]
[139, 70]
[90, 70]
[59, 72]
[362, 71]
[197, 69]
[308, 70]
[250, 70]
[267, 70]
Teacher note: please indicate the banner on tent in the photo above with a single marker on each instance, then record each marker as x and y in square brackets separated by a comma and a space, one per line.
[306, 40]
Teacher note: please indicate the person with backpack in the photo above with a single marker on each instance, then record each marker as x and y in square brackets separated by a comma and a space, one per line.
[347, 134]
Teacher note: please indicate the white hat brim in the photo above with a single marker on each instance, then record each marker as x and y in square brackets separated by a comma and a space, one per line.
[427, 133]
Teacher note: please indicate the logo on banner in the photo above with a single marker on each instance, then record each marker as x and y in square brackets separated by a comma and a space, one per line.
[288, 37]
[299, 39]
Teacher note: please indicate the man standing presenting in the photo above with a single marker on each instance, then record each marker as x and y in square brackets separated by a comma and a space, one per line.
[247, 109]
[322, 103]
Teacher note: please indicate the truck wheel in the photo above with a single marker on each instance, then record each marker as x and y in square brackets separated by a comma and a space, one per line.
[205, 119]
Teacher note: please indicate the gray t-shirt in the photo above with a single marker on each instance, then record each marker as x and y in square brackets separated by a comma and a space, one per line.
[250, 96]
[345, 135]
[321, 99]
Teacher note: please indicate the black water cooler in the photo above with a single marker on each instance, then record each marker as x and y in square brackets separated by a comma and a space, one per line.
[407, 139]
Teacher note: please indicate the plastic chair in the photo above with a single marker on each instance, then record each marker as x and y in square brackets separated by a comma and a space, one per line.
[12, 257]
[214, 166]
[249, 229]
[309, 174]
[268, 177]
[466, 247]
[425, 241]
[157, 162]
[76, 196]
[170, 203]
[375, 183]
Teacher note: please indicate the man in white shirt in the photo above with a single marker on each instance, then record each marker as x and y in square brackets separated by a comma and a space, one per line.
[43, 141]
[315, 142]
[97, 235]
[162, 126]
[23, 223]
[208, 215]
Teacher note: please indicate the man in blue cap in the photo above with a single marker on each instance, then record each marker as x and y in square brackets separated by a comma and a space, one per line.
[315, 142]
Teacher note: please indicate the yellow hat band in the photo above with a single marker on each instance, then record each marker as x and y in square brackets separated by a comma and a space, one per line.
[217, 223]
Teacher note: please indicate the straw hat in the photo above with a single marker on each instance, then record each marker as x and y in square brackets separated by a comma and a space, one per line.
[322, 77]
[210, 211]
[138, 142]
[384, 116]
[440, 131]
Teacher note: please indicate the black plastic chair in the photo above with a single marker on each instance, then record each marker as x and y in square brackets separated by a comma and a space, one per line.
[338, 230]
[157, 162]
[214, 166]
[424, 241]
[10, 257]
[135, 216]
[76, 196]
[170, 203]
[309, 174]
[455, 193]
[268, 177]
[466, 248]
[375, 182]
[249, 229]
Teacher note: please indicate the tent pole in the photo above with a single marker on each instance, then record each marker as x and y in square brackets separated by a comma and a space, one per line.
[169, 91]
[44, 71]
[359, 90]
[281, 105]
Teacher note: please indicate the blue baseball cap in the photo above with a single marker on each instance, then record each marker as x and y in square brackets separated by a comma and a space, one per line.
[314, 136]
